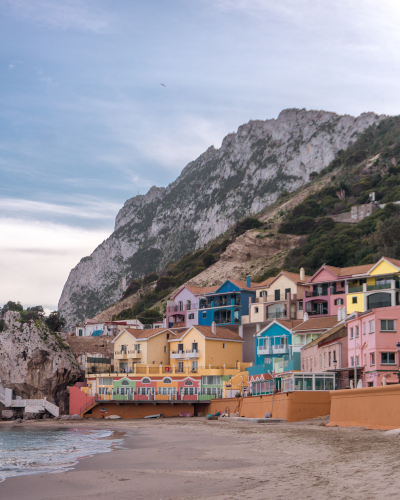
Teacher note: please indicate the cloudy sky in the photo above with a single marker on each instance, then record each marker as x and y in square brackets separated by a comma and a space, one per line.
[86, 124]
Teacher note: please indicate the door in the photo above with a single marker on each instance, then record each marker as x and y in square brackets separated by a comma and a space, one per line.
[180, 366]
[194, 346]
[180, 347]
[194, 366]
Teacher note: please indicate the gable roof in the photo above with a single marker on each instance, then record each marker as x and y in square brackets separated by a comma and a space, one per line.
[242, 285]
[140, 334]
[196, 290]
[221, 333]
[320, 323]
[338, 331]
[295, 277]
[266, 282]
[285, 323]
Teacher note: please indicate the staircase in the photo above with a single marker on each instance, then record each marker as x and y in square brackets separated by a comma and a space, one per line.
[88, 406]
[30, 405]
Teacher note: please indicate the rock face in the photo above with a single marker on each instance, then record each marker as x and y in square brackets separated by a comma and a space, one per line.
[35, 362]
[248, 171]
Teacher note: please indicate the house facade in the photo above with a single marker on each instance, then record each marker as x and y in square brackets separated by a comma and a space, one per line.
[183, 308]
[227, 304]
[280, 297]
[372, 345]
[311, 329]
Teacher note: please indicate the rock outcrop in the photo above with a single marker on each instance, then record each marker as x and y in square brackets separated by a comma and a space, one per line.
[248, 171]
[34, 362]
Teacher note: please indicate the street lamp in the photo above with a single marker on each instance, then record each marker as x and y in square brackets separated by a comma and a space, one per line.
[398, 358]
[334, 364]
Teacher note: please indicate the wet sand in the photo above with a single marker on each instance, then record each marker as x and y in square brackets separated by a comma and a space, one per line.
[174, 459]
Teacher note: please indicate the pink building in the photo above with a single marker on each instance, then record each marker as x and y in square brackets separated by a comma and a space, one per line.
[328, 352]
[372, 339]
[328, 289]
[183, 308]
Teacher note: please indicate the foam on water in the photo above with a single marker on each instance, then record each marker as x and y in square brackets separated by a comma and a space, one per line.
[36, 451]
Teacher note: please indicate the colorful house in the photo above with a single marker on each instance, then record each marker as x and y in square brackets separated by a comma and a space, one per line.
[227, 304]
[372, 346]
[328, 290]
[373, 286]
[327, 353]
[149, 346]
[183, 308]
[280, 297]
[311, 329]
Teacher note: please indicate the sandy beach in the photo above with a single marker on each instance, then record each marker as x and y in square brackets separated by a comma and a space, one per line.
[198, 459]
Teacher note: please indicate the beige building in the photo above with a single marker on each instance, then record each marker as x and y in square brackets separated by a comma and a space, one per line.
[280, 297]
[149, 346]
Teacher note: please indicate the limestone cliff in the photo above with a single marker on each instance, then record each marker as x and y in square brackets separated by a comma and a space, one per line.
[248, 171]
[35, 362]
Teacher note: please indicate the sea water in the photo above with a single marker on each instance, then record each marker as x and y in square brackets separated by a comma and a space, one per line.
[26, 450]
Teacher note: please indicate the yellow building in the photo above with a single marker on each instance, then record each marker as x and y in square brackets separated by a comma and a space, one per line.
[279, 297]
[205, 347]
[149, 346]
[377, 287]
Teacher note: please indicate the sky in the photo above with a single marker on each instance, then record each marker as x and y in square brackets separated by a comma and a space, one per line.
[85, 123]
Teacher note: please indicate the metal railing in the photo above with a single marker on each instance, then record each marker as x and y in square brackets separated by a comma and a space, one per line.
[355, 289]
[384, 286]
[88, 404]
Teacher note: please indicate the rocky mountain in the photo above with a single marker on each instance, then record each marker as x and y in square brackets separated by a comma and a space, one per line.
[248, 171]
[35, 362]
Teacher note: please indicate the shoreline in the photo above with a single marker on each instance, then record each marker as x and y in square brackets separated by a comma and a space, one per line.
[194, 458]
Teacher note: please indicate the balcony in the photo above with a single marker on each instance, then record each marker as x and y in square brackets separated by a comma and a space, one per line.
[120, 355]
[317, 293]
[134, 354]
[318, 312]
[264, 350]
[277, 314]
[186, 354]
[280, 349]
[383, 286]
[355, 289]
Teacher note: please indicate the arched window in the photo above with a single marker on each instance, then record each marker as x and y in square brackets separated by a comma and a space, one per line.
[125, 382]
[167, 380]
[146, 380]
[188, 382]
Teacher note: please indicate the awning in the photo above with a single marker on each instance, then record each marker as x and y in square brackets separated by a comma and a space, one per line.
[97, 333]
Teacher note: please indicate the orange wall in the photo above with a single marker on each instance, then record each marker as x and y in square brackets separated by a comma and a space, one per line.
[370, 407]
[293, 406]
[131, 410]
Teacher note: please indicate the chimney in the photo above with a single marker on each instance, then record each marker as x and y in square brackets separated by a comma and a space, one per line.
[302, 274]
[248, 281]
[213, 328]
[305, 316]
[339, 314]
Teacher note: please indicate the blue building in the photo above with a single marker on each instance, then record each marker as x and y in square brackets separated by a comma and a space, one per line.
[227, 304]
[273, 349]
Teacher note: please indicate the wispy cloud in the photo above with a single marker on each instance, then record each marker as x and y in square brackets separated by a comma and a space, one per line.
[36, 258]
[67, 14]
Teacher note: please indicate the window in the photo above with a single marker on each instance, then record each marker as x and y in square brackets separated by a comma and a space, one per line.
[358, 360]
[287, 292]
[80, 333]
[364, 328]
[167, 380]
[371, 327]
[388, 358]
[338, 302]
[325, 360]
[300, 305]
[320, 360]
[365, 360]
[204, 315]
[180, 347]
[379, 300]
[352, 361]
[188, 382]
[261, 294]
[194, 366]
[372, 359]
[167, 336]
[304, 364]
[307, 363]
[145, 380]
[354, 300]
[329, 356]
[342, 284]
[357, 331]
[223, 345]
[256, 309]
[315, 361]
[137, 347]
[277, 295]
[165, 348]
[125, 382]
[351, 333]
[189, 305]
[334, 356]
[211, 380]
[105, 381]
[387, 325]
[191, 316]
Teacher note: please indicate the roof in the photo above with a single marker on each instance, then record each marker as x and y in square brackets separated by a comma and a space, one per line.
[144, 334]
[91, 321]
[221, 333]
[319, 323]
[97, 333]
[265, 283]
[332, 332]
[292, 276]
[395, 262]
[198, 290]
[349, 271]
[243, 284]
[290, 324]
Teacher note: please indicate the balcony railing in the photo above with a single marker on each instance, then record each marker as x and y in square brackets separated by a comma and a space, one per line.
[280, 349]
[277, 314]
[317, 293]
[383, 286]
[317, 313]
[182, 308]
[355, 289]
[186, 354]
[264, 350]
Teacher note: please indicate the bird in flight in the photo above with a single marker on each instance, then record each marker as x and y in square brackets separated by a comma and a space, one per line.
[162, 84]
